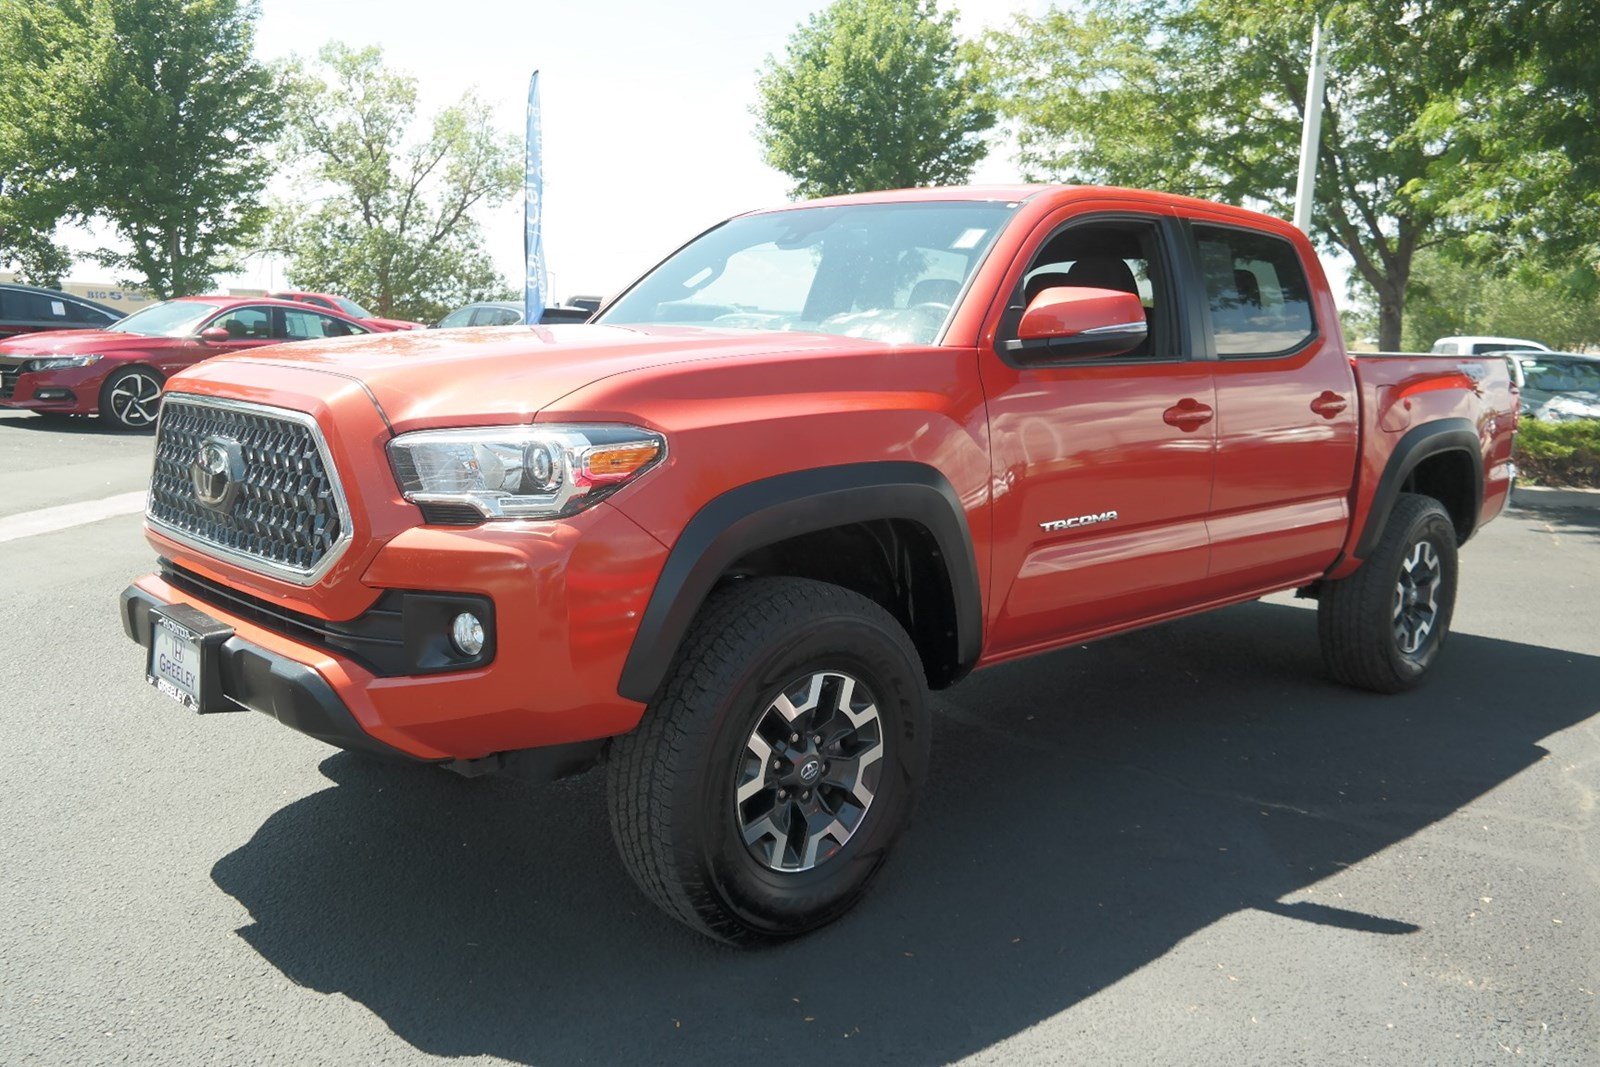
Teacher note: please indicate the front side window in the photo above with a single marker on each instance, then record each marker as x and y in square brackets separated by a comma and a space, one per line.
[1257, 291]
[458, 317]
[245, 324]
[1123, 255]
[173, 318]
[888, 272]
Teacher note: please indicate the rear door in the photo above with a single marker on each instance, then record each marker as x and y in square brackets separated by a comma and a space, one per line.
[1286, 407]
[1101, 467]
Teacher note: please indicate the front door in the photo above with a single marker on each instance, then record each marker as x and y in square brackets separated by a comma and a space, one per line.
[1102, 467]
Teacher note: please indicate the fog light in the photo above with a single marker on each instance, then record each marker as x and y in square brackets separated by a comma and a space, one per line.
[466, 633]
[53, 394]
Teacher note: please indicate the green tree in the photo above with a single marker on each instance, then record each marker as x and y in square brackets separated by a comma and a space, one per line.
[1207, 97]
[184, 116]
[1525, 171]
[1452, 297]
[48, 62]
[872, 94]
[150, 115]
[394, 227]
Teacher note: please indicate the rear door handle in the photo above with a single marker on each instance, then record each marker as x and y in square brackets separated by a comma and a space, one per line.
[1188, 414]
[1329, 404]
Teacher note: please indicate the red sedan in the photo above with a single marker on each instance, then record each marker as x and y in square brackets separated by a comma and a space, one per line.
[117, 372]
[329, 302]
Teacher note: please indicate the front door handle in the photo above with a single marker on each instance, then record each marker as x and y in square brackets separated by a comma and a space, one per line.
[1188, 414]
[1329, 404]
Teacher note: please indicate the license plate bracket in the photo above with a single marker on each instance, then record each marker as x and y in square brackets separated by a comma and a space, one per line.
[185, 658]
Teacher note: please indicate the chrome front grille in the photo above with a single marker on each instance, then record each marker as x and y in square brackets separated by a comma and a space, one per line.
[281, 510]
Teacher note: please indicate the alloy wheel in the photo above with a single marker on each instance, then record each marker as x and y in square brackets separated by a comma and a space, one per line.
[808, 772]
[135, 400]
[1416, 597]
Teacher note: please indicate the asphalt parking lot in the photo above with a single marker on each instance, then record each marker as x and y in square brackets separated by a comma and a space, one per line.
[1179, 846]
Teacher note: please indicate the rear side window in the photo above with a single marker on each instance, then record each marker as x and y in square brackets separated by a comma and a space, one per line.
[1257, 291]
[34, 307]
[309, 326]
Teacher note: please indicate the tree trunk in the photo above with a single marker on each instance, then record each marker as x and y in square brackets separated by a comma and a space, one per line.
[1391, 312]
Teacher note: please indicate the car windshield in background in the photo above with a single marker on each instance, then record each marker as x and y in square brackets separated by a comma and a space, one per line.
[177, 318]
[351, 308]
[1562, 375]
[887, 272]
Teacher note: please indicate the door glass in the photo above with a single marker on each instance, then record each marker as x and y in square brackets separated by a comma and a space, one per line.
[309, 326]
[1256, 288]
[245, 324]
[1121, 255]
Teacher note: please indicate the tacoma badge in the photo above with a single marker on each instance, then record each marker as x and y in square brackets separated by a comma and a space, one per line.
[1056, 525]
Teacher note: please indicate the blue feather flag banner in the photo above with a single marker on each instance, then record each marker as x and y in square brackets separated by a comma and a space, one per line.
[533, 295]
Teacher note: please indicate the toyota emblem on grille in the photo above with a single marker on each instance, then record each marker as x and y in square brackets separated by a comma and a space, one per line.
[216, 472]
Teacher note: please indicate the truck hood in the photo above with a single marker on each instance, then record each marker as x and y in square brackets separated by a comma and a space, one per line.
[489, 375]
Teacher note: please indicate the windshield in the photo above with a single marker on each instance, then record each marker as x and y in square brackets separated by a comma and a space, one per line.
[888, 272]
[1562, 375]
[351, 308]
[174, 318]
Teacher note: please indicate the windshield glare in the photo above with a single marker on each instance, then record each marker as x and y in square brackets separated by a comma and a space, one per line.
[351, 308]
[174, 318]
[887, 272]
[1562, 375]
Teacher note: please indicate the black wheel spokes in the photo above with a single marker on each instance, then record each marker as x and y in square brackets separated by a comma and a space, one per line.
[809, 771]
[1416, 597]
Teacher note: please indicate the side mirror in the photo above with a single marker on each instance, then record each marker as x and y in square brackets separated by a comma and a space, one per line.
[1072, 322]
[215, 335]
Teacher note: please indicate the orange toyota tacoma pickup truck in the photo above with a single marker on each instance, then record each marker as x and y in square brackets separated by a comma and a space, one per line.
[725, 537]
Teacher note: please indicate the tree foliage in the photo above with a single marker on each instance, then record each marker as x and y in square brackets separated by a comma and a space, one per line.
[48, 62]
[395, 228]
[872, 94]
[1526, 159]
[148, 115]
[1208, 96]
[1452, 297]
[185, 115]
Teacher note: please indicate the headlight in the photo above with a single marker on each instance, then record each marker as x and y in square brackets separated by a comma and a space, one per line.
[522, 472]
[33, 366]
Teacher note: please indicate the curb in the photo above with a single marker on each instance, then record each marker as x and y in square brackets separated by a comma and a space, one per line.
[1535, 497]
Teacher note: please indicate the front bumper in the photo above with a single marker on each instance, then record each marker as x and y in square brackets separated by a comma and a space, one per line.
[566, 599]
[70, 390]
[259, 679]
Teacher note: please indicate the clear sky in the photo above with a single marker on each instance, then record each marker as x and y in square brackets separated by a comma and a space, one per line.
[647, 126]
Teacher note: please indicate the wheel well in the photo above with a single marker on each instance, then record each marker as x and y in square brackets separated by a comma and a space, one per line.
[1449, 478]
[893, 562]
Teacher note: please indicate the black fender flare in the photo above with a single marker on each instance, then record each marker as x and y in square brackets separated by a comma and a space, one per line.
[774, 509]
[1418, 444]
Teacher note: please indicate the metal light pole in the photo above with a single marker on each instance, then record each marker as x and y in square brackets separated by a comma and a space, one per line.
[1311, 133]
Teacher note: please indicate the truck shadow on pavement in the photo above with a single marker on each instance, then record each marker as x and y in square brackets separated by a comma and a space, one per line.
[1087, 811]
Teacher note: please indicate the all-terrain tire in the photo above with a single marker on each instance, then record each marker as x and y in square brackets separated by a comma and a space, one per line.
[676, 784]
[1365, 621]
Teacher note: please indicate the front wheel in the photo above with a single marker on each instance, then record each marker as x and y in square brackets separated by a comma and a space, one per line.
[779, 762]
[1382, 627]
[131, 398]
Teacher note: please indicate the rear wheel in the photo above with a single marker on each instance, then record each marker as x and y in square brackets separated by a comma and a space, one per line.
[131, 398]
[780, 761]
[1382, 627]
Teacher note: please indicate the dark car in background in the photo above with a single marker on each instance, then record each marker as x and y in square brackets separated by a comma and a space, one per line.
[507, 313]
[346, 306]
[27, 309]
[118, 372]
